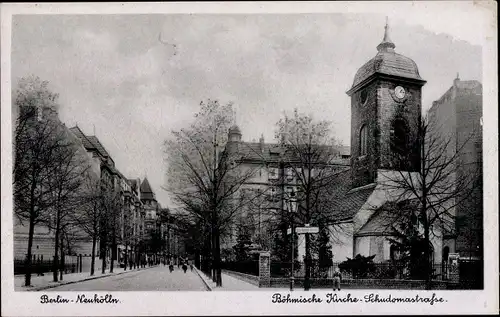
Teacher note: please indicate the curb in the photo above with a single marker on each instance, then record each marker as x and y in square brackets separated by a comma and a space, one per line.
[201, 277]
[90, 278]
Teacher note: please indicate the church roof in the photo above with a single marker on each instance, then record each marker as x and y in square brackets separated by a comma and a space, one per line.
[349, 200]
[386, 62]
[388, 219]
[379, 223]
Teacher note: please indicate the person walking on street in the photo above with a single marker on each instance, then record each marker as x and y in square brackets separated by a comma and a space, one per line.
[336, 279]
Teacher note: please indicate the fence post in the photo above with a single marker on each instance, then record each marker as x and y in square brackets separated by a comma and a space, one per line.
[454, 275]
[264, 269]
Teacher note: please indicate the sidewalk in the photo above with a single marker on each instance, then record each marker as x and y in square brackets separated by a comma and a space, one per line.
[39, 283]
[229, 283]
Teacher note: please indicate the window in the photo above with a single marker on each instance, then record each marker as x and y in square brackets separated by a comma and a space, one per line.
[363, 96]
[399, 138]
[273, 194]
[363, 140]
[298, 171]
[273, 173]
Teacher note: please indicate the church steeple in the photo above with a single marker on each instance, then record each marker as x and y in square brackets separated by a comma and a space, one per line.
[386, 45]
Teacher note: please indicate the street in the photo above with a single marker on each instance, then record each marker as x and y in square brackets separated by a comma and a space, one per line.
[154, 279]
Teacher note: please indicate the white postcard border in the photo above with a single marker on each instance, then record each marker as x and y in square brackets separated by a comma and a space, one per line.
[259, 302]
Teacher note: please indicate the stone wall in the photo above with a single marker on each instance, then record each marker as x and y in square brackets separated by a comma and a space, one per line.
[264, 269]
[363, 167]
[252, 279]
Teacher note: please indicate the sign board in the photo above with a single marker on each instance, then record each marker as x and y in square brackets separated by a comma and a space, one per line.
[300, 230]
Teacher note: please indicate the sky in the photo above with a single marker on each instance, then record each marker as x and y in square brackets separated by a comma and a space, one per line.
[117, 80]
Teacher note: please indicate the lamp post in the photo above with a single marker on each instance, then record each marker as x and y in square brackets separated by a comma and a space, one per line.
[291, 210]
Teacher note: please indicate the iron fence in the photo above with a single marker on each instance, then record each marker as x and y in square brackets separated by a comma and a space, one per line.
[39, 265]
[373, 271]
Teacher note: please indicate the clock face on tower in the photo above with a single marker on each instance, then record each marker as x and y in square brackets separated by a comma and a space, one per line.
[399, 92]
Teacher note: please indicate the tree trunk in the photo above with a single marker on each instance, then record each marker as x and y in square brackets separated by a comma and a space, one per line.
[218, 273]
[125, 259]
[92, 261]
[428, 271]
[27, 276]
[103, 255]
[55, 264]
[62, 261]
[213, 264]
[113, 250]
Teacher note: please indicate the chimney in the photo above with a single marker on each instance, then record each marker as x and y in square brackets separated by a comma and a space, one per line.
[456, 80]
[261, 143]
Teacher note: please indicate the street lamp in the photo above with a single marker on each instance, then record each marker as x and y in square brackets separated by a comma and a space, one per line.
[292, 208]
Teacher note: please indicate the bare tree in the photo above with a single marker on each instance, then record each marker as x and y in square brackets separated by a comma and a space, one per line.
[112, 206]
[311, 160]
[204, 175]
[91, 212]
[65, 183]
[37, 138]
[434, 183]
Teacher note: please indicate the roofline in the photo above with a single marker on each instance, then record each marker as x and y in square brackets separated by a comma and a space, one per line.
[380, 75]
[86, 138]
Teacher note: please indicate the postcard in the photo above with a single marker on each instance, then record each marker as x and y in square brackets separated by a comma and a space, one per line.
[247, 158]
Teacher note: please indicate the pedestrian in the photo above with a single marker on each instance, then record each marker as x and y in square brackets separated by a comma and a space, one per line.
[184, 267]
[336, 279]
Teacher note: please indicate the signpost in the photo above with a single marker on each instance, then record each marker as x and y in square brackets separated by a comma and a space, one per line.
[302, 230]
[306, 230]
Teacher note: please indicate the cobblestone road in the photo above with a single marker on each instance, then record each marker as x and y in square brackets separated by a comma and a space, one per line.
[154, 279]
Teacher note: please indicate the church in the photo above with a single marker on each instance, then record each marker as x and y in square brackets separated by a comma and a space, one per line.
[386, 107]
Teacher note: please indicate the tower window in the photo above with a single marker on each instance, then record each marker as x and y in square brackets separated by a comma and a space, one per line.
[399, 138]
[363, 140]
[363, 96]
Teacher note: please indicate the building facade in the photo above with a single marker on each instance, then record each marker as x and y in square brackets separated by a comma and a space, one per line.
[456, 119]
[76, 241]
[270, 181]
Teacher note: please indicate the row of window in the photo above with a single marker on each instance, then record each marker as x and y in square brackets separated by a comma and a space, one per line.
[290, 173]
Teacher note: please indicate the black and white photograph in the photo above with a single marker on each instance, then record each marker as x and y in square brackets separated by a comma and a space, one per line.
[299, 156]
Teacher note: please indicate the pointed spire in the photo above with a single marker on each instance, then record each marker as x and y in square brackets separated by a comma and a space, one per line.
[386, 45]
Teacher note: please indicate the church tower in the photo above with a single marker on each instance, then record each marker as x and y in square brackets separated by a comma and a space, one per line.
[386, 110]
